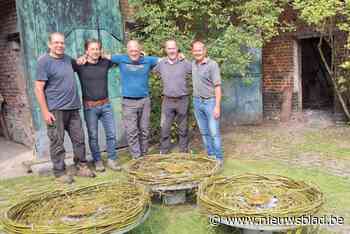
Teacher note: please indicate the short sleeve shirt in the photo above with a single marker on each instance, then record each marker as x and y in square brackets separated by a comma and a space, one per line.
[61, 89]
[93, 79]
[205, 77]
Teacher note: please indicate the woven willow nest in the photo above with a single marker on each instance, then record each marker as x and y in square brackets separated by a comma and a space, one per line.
[258, 196]
[174, 169]
[100, 208]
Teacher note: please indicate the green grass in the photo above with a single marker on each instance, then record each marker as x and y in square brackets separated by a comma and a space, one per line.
[328, 144]
[188, 218]
[243, 148]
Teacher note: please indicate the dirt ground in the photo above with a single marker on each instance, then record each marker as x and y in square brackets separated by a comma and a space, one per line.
[12, 155]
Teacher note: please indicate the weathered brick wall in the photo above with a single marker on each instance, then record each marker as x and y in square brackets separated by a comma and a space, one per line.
[126, 10]
[278, 71]
[279, 65]
[127, 13]
[342, 55]
[12, 83]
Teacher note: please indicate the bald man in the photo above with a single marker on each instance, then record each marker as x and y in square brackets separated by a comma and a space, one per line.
[136, 104]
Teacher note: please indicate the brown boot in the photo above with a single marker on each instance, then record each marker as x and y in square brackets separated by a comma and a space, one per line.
[84, 171]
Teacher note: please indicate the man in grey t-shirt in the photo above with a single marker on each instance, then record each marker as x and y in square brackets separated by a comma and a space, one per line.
[57, 94]
[173, 73]
[207, 99]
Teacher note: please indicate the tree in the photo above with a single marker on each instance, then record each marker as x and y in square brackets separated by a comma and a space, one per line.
[229, 27]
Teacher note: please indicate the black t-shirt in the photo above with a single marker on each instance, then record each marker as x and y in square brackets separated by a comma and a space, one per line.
[93, 79]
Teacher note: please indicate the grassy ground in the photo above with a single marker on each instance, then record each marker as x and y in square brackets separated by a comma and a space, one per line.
[319, 156]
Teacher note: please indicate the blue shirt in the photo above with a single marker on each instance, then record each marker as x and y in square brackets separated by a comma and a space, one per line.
[135, 75]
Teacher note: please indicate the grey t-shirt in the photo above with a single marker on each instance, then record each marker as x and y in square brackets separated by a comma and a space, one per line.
[61, 90]
[174, 76]
[205, 77]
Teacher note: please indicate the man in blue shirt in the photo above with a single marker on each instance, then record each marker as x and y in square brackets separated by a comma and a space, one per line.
[136, 104]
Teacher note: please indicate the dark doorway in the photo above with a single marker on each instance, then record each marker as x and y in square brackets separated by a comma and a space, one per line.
[317, 88]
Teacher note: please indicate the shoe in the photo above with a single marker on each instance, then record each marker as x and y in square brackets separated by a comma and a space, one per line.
[99, 166]
[221, 164]
[136, 157]
[65, 179]
[113, 164]
[212, 157]
[84, 171]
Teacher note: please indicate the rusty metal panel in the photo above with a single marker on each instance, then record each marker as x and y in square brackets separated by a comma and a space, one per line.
[78, 20]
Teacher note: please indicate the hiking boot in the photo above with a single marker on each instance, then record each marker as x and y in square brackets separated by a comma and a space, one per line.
[113, 164]
[84, 171]
[65, 179]
[99, 166]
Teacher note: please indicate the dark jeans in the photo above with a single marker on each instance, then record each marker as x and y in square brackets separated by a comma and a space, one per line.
[70, 121]
[174, 109]
[105, 114]
[136, 114]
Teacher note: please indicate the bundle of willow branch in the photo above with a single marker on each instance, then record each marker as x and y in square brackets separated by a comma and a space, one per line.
[171, 169]
[101, 208]
[258, 196]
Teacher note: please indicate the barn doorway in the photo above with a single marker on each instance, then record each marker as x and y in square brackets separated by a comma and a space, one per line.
[317, 88]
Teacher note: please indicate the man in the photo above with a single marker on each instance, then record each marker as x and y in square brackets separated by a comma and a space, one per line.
[136, 104]
[173, 73]
[57, 95]
[93, 76]
[207, 99]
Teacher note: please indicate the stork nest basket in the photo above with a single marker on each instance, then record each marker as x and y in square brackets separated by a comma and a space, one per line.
[251, 195]
[101, 208]
[171, 170]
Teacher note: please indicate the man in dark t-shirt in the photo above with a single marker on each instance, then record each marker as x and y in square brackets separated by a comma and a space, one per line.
[57, 94]
[93, 76]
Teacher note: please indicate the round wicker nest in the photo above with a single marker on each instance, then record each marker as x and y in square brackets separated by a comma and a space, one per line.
[171, 170]
[251, 195]
[101, 208]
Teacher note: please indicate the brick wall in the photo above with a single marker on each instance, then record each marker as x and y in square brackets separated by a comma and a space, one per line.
[278, 73]
[12, 83]
[126, 10]
[280, 69]
[127, 13]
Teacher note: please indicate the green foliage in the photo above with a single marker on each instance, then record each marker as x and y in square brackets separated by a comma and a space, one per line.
[155, 92]
[318, 12]
[231, 27]
[228, 27]
[214, 22]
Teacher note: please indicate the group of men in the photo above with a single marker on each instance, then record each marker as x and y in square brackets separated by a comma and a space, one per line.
[57, 95]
